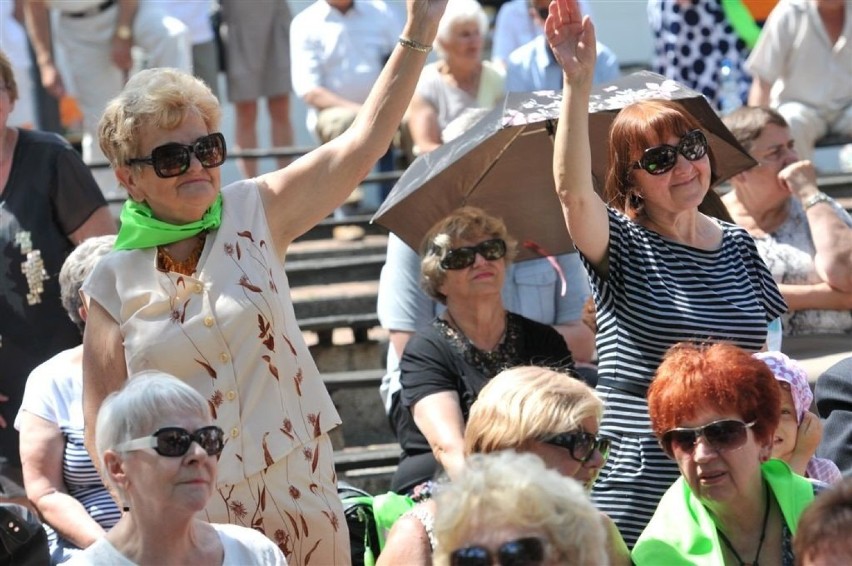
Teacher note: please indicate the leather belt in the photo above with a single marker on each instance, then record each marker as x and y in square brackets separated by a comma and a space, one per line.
[93, 11]
[629, 387]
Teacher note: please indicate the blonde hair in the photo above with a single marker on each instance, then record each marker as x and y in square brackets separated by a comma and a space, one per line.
[508, 489]
[465, 223]
[154, 98]
[527, 403]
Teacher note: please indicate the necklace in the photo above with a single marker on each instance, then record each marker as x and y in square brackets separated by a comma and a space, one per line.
[186, 267]
[458, 329]
[762, 534]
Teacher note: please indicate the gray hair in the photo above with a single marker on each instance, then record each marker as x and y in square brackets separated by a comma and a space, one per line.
[77, 266]
[459, 11]
[508, 489]
[133, 411]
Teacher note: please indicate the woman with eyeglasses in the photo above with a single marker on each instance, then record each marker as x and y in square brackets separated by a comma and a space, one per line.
[196, 287]
[662, 272]
[446, 364]
[715, 409]
[158, 449]
[509, 509]
[528, 409]
[803, 235]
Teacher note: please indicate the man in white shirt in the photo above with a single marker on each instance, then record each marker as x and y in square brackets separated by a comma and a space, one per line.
[95, 38]
[337, 50]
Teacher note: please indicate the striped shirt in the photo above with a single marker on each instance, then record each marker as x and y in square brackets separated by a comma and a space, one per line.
[657, 293]
[54, 392]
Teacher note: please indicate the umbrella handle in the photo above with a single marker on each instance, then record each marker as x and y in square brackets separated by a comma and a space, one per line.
[530, 245]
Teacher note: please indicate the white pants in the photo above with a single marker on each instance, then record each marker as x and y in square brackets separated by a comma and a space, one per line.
[94, 80]
[807, 125]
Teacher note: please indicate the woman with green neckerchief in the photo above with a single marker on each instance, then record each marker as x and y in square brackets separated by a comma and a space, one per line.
[714, 410]
[196, 288]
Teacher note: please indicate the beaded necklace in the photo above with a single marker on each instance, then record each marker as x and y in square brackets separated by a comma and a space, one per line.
[186, 267]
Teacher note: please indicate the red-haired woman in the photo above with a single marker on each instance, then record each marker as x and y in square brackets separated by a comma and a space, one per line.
[714, 409]
[662, 272]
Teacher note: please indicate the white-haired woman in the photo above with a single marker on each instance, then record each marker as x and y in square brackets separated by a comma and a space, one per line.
[459, 80]
[509, 508]
[196, 288]
[158, 449]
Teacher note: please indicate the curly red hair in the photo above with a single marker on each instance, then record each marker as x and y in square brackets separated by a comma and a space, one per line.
[721, 376]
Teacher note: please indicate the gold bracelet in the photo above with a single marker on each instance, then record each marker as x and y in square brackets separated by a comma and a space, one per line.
[415, 45]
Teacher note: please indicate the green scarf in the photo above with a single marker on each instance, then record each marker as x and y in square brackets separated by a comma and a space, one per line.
[139, 228]
[682, 532]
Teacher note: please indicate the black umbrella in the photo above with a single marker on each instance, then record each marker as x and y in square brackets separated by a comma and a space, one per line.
[503, 163]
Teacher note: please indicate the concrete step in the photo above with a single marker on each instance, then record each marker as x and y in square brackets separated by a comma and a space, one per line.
[325, 229]
[324, 248]
[331, 270]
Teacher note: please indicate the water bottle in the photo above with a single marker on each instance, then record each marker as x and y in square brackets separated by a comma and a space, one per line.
[774, 333]
[729, 87]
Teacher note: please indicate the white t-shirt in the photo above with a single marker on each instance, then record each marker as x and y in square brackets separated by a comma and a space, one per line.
[242, 546]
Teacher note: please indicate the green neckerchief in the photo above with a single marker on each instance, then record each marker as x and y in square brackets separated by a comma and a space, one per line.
[682, 532]
[139, 228]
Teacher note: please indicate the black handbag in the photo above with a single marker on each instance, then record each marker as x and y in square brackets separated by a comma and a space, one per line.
[23, 541]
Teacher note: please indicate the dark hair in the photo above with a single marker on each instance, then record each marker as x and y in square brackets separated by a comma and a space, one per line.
[725, 377]
[637, 127]
[824, 527]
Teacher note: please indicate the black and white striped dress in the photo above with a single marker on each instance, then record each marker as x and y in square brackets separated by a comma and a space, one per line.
[658, 293]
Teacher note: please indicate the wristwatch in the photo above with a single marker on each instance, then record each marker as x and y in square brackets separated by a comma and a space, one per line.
[123, 32]
[816, 199]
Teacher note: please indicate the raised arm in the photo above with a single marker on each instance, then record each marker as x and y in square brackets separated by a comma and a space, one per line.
[104, 368]
[572, 39]
[297, 197]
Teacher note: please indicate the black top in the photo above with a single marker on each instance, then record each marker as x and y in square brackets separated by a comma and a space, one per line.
[50, 193]
[440, 359]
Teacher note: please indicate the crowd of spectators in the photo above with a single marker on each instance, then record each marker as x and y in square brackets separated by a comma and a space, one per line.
[697, 443]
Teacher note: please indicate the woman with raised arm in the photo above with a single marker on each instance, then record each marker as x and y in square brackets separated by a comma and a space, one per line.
[196, 288]
[661, 271]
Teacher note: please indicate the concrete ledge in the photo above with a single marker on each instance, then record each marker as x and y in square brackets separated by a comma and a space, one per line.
[818, 352]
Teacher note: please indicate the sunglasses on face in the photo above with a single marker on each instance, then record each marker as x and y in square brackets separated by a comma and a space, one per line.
[662, 158]
[173, 441]
[173, 159]
[724, 435]
[459, 258]
[520, 552]
[581, 445]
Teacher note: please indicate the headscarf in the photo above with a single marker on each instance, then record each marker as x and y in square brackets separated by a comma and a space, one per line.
[790, 371]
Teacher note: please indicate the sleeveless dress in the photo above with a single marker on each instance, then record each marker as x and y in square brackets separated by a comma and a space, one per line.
[659, 293]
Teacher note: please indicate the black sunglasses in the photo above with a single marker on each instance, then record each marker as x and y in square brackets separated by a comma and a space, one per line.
[662, 158]
[173, 441]
[459, 258]
[581, 445]
[727, 434]
[521, 552]
[172, 159]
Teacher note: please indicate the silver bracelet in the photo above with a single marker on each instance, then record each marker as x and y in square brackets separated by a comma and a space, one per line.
[816, 199]
[415, 45]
